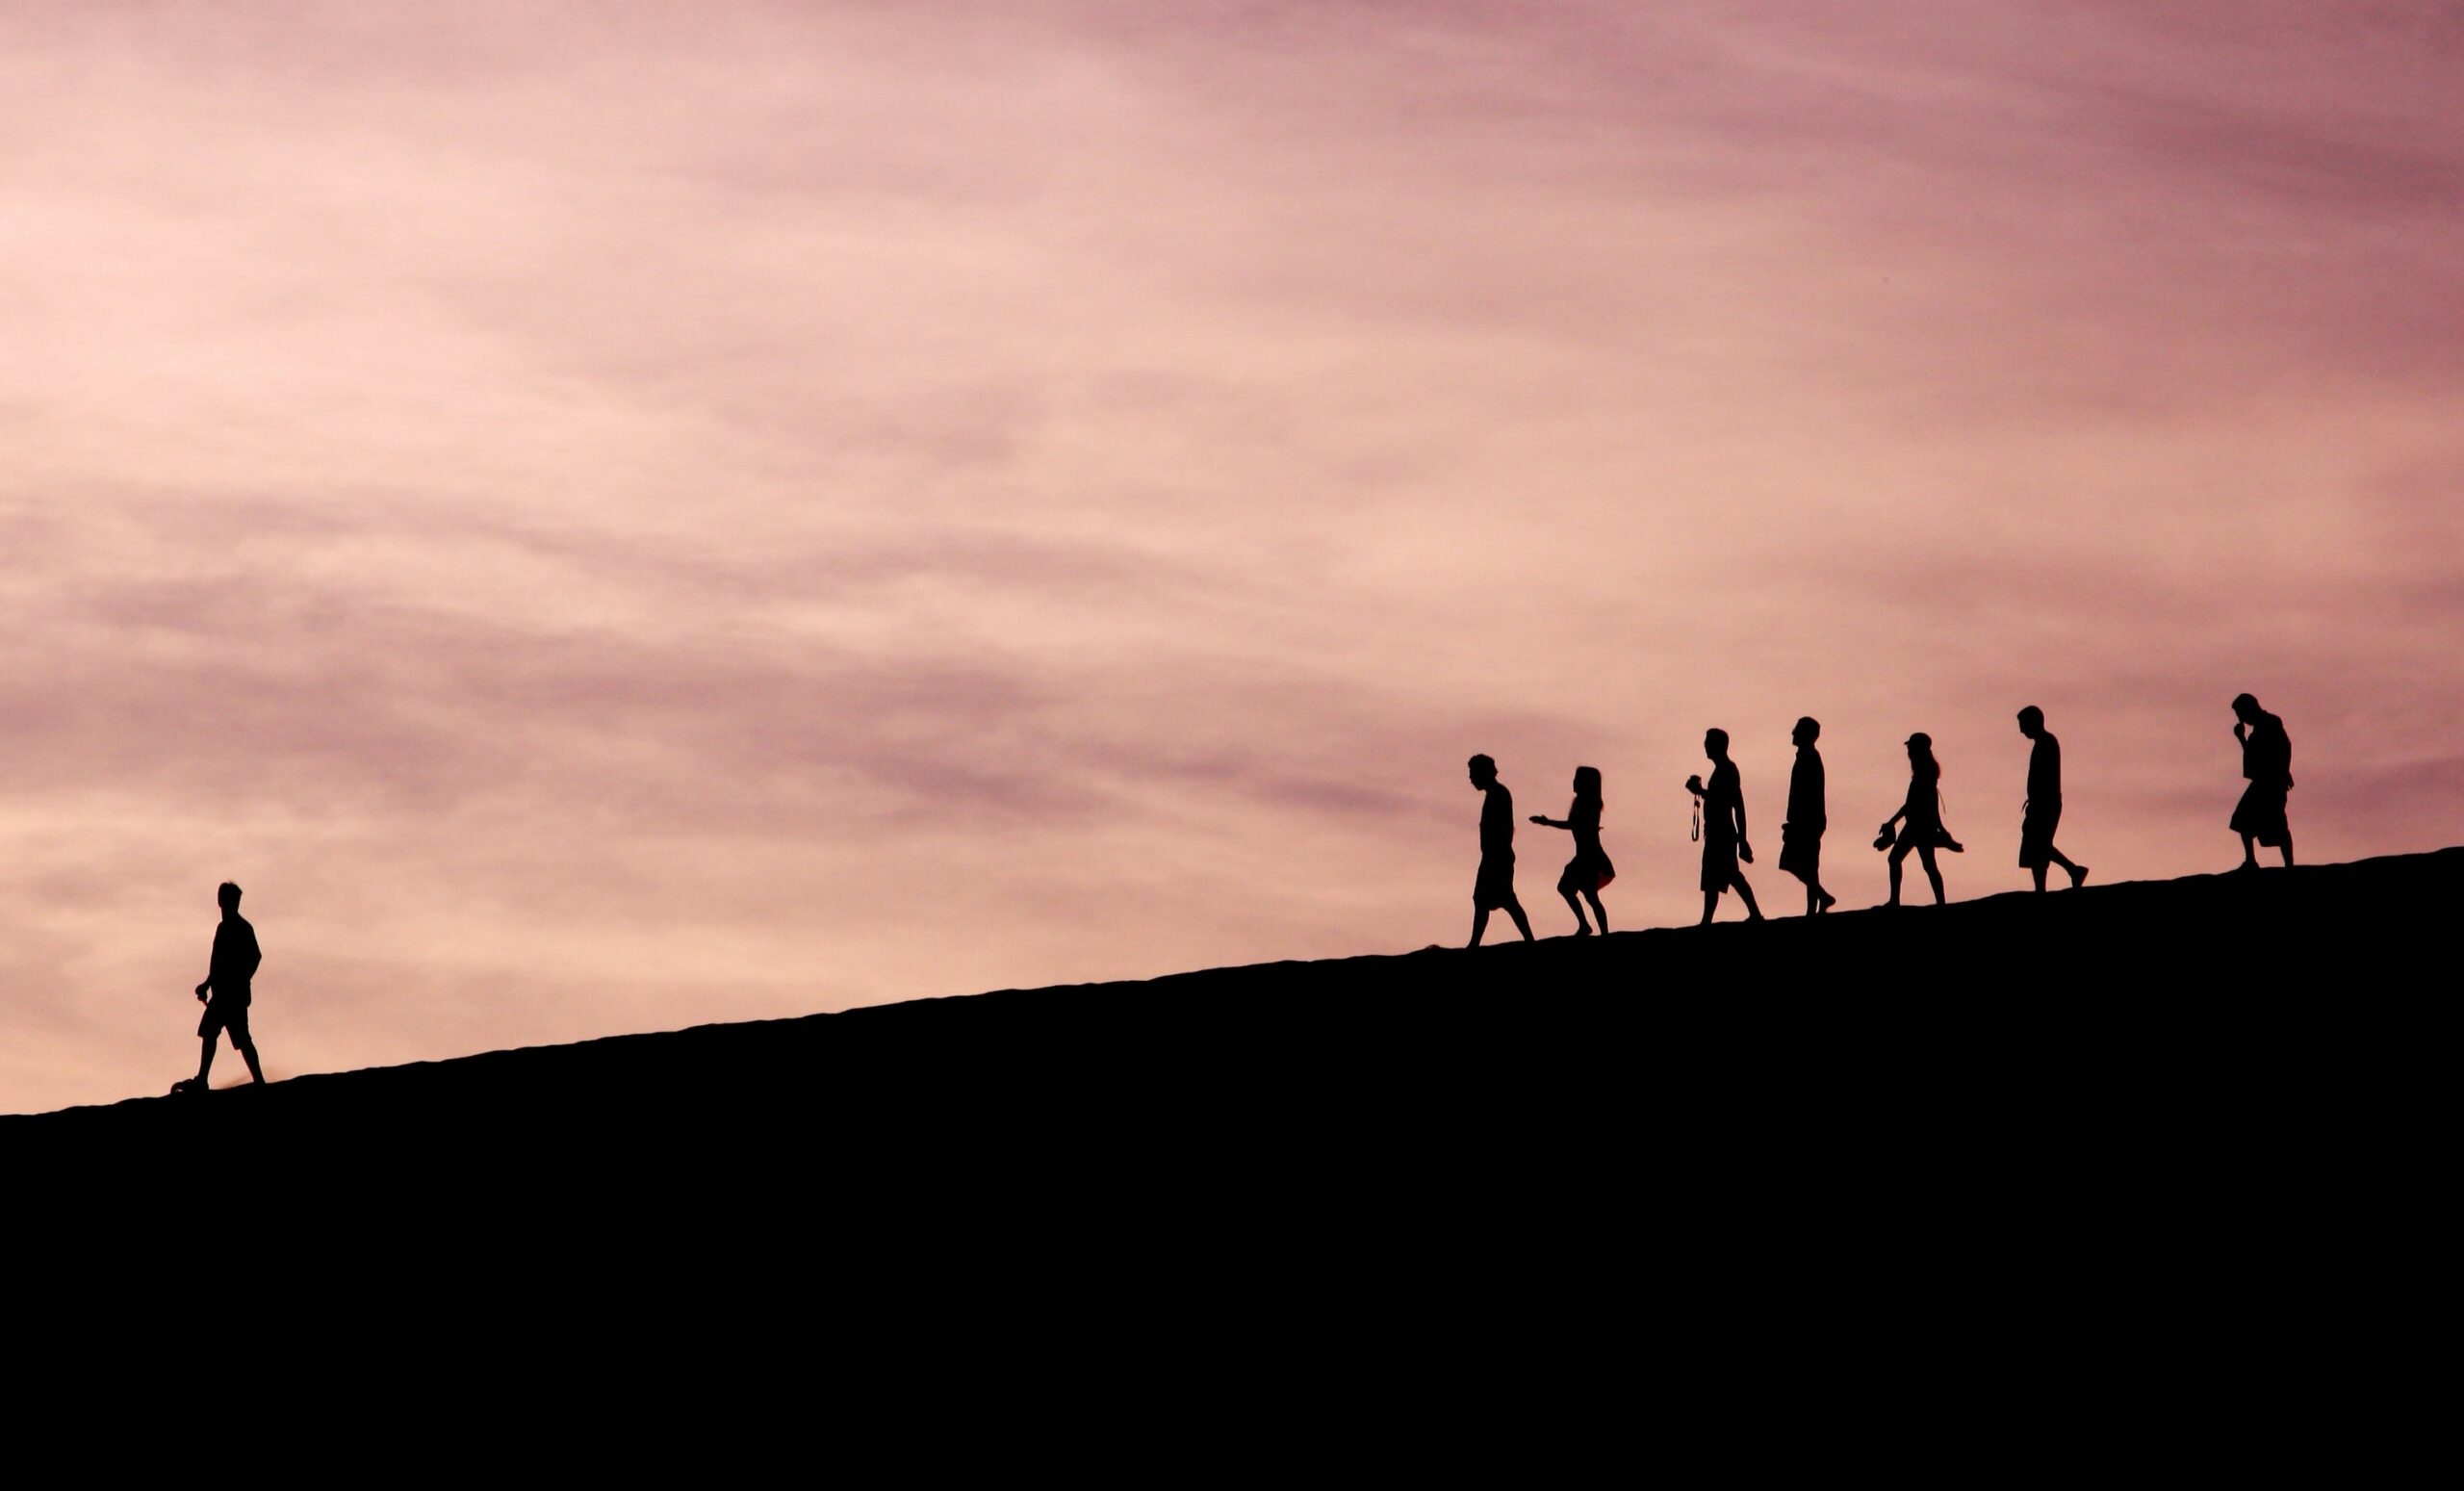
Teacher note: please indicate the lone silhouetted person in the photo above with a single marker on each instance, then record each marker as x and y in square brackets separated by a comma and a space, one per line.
[2266, 759]
[2043, 809]
[1919, 817]
[1723, 840]
[1493, 889]
[1801, 835]
[1588, 872]
[226, 981]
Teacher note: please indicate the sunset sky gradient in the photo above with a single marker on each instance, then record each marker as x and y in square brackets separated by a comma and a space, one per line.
[608, 517]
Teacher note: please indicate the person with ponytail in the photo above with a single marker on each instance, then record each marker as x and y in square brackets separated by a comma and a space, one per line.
[1589, 872]
[1919, 819]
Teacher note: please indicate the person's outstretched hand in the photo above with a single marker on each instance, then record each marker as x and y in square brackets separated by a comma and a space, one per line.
[1745, 851]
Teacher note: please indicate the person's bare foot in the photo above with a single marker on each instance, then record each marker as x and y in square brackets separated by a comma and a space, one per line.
[2078, 876]
[1828, 899]
[1583, 931]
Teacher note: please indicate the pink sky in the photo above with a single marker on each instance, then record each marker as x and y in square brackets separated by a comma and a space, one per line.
[611, 517]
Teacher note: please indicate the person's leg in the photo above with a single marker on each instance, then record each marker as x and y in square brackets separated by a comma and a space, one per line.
[1745, 894]
[1514, 909]
[1583, 927]
[2077, 872]
[2250, 853]
[1898, 853]
[248, 1053]
[1710, 904]
[205, 1060]
[1479, 922]
[1599, 911]
[1814, 902]
[2287, 850]
[1932, 873]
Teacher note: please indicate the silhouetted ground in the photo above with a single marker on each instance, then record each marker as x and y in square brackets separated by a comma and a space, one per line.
[2210, 1109]
[1992, 1029]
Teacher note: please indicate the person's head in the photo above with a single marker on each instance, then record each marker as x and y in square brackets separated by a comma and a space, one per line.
[1920, 747]
[1587, 782]
[1716, 744]
[2032, 722]
[227, 896]
[1484, 771]
[1809, 730]
[2246, 708]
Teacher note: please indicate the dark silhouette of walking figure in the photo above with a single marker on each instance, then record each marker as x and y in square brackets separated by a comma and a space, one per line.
[227, 976]
[1724, 842]
[2267, 760]
[1919, 819]
[2043, 809]
[1589, 872]
[1493, 889]
[1801, 835]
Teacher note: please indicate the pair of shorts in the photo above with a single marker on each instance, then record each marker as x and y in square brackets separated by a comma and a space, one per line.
[225, 1015]
[2261, 815]
[1801, 853]
[2036, 835]
[1719, 863]
[1494, 886]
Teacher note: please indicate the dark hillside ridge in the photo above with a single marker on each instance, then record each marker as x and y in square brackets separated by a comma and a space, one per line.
[2234, 998]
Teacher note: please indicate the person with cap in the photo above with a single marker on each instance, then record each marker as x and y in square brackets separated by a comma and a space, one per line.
[1919, 819]
[2043, 808]
[2267, 760]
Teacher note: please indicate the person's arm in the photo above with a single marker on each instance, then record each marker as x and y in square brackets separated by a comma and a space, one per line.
[1547, 822]
[202, 990]
[256, 954]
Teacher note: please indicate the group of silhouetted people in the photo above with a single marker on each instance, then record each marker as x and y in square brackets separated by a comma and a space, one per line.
[1720, 824]
[1917, 828]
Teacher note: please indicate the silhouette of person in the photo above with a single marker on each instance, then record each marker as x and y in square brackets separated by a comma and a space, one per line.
[2043, 809]
[1920, 817]
[2267, 760]
[1801, 835]
[1493, 888]
[227, 977]
[1723, 840]
[1589, 872]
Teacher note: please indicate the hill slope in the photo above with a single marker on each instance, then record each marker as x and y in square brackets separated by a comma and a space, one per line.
[2067, 1011]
